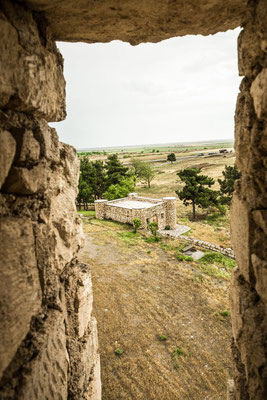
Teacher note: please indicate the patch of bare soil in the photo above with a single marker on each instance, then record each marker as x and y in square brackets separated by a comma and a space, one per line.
[141, 292]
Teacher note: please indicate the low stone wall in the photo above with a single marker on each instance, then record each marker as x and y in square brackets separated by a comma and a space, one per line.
[201, 243]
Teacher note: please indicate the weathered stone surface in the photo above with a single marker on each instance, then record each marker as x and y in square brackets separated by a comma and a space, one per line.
[249, 52]
[261, 19]
[27, 181]
[30, 149]
[248, 213]
[260, 217]
[84, 360]
[31, 68]
[240, 235]
[7, 153]
[45, 172]
[249, 331]
[244, 118]
[231, 390]
[79, 296]
[83, 301]
[40, 367]
[260, 271]
[259, 94]
[95, 389]
[135, 22]
[19, 285]
[47, 374]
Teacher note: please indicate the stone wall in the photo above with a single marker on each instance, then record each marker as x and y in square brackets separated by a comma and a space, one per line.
[170, 207]
[48, 346]
[249, 211]
[228, 252]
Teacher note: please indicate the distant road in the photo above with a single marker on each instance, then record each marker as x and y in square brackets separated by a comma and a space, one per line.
[165, 161]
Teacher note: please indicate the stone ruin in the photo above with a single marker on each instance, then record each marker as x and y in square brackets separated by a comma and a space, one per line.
[48, 345]
[162, 211]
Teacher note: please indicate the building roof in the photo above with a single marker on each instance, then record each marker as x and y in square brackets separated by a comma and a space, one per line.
[133, 204]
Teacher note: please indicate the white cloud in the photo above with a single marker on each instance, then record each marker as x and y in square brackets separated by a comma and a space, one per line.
[180, 89]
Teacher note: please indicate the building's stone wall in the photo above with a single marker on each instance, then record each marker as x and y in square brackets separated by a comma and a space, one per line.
[163, 211]
[48, 346]
[249, 211]
[170, 204]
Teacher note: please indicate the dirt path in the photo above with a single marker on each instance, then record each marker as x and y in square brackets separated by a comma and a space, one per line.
[141, 292]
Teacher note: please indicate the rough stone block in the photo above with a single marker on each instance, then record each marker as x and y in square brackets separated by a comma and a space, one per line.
[27, 181]
[136, 22]
[244, 119]
[261, 19]
[30, 149]
[7, 153]
[230, 390]
[83, 301]
[95, 388]
[259, 93]
[46, 375]
[260, 217]
[84, 359]
[236, 307]
[260, 271]
[49, 142]
[249, 50]
[31, 69]
[19, 285]
[240, 235]
[79, 295]
[60, 237]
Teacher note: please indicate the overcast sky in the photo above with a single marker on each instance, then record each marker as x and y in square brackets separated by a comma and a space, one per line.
[181, 89]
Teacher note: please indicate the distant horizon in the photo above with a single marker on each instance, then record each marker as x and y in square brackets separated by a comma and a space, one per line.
[165, 144]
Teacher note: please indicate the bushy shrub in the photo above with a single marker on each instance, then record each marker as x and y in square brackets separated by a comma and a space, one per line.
[136, 223]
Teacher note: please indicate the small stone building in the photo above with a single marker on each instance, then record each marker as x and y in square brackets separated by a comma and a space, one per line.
[162, 211]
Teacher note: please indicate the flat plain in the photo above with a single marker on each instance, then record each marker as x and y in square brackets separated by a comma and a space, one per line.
[163, 323]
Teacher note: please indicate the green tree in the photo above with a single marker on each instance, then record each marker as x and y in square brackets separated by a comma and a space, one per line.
[153, 227]
[230, 175]
[171, 157]
[85, 194]
[147, 174]
[196, 189]
[137, 166]
[136, 223]
[99, 183]
[115, 170]
[143, 171]
[119, 190]
[92, 180]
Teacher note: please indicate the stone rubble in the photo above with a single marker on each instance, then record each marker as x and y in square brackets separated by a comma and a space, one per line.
[178, 233]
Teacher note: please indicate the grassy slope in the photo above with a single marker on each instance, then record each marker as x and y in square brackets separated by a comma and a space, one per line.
[142, 291]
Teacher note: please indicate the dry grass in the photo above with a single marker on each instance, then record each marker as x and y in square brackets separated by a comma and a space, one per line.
[141, 291]
[214, 230]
